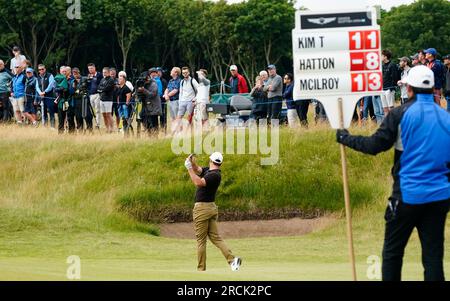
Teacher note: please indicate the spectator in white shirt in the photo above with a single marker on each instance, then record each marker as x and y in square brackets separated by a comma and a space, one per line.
[188, 96]
[17, 60]
[202, 96]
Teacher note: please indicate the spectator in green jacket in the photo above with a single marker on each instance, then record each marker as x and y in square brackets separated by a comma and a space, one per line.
[62, 91]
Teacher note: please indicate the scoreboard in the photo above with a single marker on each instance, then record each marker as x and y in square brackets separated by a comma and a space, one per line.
[336, 55]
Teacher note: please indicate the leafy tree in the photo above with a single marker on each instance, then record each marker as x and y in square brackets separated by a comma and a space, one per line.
[217, 27]
[39, 30]
[263, 34]
[420, 25]
[137, 34]
[130, 20]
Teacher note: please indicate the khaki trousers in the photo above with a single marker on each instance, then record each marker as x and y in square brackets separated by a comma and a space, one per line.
[205, 224]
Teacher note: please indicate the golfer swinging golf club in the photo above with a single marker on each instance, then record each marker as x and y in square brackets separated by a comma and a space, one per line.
[207, 181]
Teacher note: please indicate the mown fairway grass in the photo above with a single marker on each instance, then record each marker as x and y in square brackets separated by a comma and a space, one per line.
[63, 196]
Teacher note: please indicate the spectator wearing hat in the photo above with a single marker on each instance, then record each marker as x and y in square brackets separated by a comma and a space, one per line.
[446, 87]
[17, 60]
[163, 80]
[274, 89]
[438, 70]
[30, 97]
[404, 66]
[238, 83]
[415, 60]
[147, 94]
[421, 192]
[153, 72]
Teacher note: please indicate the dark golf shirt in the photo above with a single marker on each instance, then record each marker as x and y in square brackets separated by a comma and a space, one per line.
[122, 95]
[212, 178]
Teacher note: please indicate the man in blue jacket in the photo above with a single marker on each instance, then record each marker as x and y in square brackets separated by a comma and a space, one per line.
[420, 132]
[18, 92]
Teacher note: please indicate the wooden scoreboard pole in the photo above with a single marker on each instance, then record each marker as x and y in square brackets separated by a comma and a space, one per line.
[348, 211]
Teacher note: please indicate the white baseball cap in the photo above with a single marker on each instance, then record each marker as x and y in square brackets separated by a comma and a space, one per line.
[233, 68]
[216, 158]
[420, 77]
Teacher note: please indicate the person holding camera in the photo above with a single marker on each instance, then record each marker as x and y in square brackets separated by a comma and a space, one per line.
[62, 96]
[205, 213]
[71, 109]
[151, 103]
[81, 101]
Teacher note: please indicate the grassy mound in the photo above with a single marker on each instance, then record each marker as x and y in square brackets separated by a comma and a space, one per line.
[64, 196]
[103, 182]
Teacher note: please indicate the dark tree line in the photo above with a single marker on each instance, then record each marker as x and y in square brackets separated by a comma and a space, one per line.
[137, 34]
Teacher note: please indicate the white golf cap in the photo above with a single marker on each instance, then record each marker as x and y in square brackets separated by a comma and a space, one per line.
[216, 158]
[420, 77]
[233, 68]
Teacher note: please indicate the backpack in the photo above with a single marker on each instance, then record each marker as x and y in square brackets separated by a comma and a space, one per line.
[192, 85]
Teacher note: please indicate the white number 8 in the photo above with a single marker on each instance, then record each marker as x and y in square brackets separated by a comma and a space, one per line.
[372, 61]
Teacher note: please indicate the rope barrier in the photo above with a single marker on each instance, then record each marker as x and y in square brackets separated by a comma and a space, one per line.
[41, 98]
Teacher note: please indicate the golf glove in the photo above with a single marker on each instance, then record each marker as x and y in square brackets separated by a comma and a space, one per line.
[188, 164]
[341, 135]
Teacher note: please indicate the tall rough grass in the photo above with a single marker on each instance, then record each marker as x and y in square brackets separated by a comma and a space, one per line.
[98, 183]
